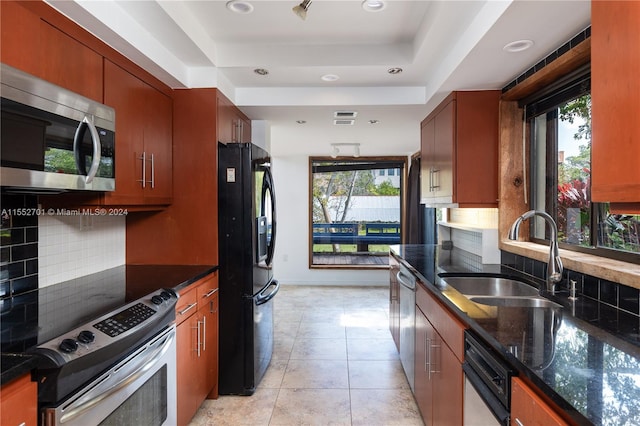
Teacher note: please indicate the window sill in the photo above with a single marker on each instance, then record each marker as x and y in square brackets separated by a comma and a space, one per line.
[613, 270]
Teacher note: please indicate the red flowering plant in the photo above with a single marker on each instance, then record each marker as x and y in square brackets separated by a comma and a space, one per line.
[574, 209]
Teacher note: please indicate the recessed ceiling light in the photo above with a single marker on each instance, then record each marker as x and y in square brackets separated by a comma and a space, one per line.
[517, 46]
[240, 6]
[373, 5]
[394, 70]
[301, 121]
[261, 71]
[330, 77]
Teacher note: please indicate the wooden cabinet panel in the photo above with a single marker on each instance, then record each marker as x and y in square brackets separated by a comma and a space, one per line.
[528, 409]
[19, 404]
[439, 352]
[459, 151]
[438, 376]
[423, 385]
[36, 47]
[232, 124]
[197, 354]
[125, 93]
[448, 326]
[20, 37]
[615, 92]
[68, 63]
[187, 369]
[143, 140]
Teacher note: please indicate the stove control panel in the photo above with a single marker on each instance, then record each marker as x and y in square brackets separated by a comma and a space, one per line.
[115, 325]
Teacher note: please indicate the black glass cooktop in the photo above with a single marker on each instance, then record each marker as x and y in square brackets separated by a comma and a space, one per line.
[36, 317]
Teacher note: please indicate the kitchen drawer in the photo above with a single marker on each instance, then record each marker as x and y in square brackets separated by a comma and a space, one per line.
[206, 289]
[187, 304]
[449, 327]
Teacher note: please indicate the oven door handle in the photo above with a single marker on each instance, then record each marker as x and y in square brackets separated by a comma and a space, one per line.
[496, 407]
[126, 372]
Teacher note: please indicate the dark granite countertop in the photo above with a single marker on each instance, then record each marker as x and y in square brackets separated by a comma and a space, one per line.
[32, 318]
[585, 356]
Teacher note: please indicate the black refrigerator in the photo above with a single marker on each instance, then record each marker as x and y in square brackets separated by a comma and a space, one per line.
[246, 234]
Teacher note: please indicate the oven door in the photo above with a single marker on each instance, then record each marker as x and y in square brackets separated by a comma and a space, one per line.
[140, 390]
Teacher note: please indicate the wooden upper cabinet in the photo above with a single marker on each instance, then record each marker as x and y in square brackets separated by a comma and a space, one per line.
[232, 124]
[70, 64]
[143, 140]
[459, 150]
[615, 91]
[36, 47]
[528, 409]
[20, 37]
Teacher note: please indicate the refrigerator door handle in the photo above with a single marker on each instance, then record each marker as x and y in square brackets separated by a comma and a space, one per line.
[263, 298]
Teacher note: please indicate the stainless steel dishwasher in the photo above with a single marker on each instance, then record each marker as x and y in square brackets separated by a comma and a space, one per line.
[407, 321]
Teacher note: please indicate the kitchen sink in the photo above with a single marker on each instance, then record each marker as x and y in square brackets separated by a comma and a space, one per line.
[516, 302]
[491, 286]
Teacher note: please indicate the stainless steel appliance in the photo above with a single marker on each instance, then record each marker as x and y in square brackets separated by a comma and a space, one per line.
[117, 369]
[247, 234]
[407, 322]
[53, 140]
[487, 385]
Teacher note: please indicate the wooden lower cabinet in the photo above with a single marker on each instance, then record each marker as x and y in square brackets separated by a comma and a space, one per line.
[438, 377]
[439, 381]
[19, 404]
[528, 409]
[197, 340]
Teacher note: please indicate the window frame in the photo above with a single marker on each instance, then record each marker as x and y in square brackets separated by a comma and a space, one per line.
[544, 102]
[402, 163]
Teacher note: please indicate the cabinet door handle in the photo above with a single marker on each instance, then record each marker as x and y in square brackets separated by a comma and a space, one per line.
[427, 356]
[435, 371]
[153, 173]
[518, 422]
[204, 333]
[211, 292]
[436, 172]
[187, 309]
[144, 169]
[198, 338]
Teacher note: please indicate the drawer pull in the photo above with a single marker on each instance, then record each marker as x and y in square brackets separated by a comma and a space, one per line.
[210, 293]
[187, 309]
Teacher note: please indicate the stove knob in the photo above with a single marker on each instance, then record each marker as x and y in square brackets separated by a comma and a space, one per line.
[157, 300]
[86, 336]
[165, 295]
[68, 346]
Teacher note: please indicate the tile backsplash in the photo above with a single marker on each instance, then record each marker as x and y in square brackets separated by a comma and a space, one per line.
[18, 245]
[608, 292]
[40, 249]
[73, 246]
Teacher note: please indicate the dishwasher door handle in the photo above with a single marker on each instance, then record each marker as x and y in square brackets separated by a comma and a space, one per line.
[410, 284]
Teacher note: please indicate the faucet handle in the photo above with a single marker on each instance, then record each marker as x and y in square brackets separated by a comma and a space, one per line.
[572, 290]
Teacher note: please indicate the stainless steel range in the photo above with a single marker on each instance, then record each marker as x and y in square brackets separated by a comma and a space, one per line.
[117, 369]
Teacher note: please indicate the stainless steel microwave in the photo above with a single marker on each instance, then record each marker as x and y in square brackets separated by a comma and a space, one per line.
[53, 140]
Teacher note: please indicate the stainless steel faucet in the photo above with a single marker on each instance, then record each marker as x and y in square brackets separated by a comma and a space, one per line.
[554, 266]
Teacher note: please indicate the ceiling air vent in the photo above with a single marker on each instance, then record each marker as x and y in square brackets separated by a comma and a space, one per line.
[343, 122]
[345, 114]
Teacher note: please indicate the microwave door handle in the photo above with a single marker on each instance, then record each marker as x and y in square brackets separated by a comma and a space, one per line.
[86, 123]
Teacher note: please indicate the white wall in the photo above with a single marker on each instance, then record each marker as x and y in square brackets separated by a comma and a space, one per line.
[290, 151]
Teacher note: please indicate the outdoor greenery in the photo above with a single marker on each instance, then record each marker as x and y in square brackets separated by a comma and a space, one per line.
[620, 232]
[333, 194]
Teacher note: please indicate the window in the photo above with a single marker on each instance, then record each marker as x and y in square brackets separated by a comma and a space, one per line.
[560, 124]
[354, 213]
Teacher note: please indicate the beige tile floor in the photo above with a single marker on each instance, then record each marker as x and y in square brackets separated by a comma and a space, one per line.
[334, 363]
